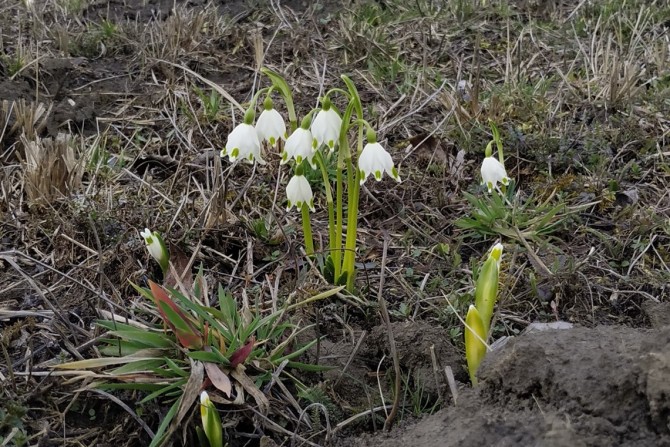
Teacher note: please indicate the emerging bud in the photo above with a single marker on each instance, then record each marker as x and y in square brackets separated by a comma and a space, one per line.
[156, 248]
[486, 291]
[475, 348]
[211, 421]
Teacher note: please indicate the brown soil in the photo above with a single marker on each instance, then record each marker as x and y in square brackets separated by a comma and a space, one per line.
[574, 387]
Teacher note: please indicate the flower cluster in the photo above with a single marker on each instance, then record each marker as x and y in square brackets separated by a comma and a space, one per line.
[323, 131]
[322, 134]
[244, 142]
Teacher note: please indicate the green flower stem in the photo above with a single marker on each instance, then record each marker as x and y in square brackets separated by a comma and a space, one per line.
[339, 194]
[337, 90]
[352, 225]
[307, 230]
[332, 231]
[254, 100]
[280, 83]
[354, 188]
[498, 141]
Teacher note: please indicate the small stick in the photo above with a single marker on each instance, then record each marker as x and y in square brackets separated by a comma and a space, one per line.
[394, 353]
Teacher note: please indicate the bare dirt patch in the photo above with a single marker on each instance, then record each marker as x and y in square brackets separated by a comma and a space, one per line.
[582, 386]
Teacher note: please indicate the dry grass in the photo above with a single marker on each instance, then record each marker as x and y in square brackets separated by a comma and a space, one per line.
[582, 97]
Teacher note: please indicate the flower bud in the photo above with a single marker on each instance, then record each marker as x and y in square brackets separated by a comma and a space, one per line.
[211, 421]
[156, 248]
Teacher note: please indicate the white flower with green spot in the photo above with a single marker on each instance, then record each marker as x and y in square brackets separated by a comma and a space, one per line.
[270, 125]
[299, 146]
[375, 160]
[243, 143]
[299, 192]
[156, 248]
[326, 128]
[493, 172]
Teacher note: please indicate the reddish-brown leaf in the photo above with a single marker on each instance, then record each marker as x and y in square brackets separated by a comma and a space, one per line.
[187, 334]
[242, 353]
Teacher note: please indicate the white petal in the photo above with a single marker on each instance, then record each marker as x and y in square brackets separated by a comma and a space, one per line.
[298, 191]
[270, 126]
[493, 172]
[375, 160]
[326, 128]
[299, 146]
[243, 143]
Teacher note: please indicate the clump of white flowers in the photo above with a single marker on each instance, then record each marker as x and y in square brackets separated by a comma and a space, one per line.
[322, 132]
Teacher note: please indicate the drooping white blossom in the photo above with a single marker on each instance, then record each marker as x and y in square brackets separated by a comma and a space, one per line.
[299, 146]
[299, 192]
[375, 160]
[271, 127]
[493, 172]
[326, 128]
[243, 143]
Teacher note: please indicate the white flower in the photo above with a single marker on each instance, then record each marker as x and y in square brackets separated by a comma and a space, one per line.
[270, 126]
[156, 247]
[493, 172]
[243, 143]
[298, 192]
[326, 128]
[375, 160]
[299, 146]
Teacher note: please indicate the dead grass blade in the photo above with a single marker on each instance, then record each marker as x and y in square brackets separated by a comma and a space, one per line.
[52, 167]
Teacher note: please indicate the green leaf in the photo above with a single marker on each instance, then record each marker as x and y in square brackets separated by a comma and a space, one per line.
[121, 348]
[212, 357]
[116, 325]
[161, 432]
[100, 362]
[174, 367]
[296, 353]
[187, 335]
[148, 339]
[204, 313]
[163, 390]
[355, 97]
[140, 365]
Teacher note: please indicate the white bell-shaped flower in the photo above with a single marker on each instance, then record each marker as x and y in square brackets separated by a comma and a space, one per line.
[156, 247]
[298, 191]
[326, 128]
[299, 146]
[271, 127]
[493, 172]
[243, 143]
[375, 160]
